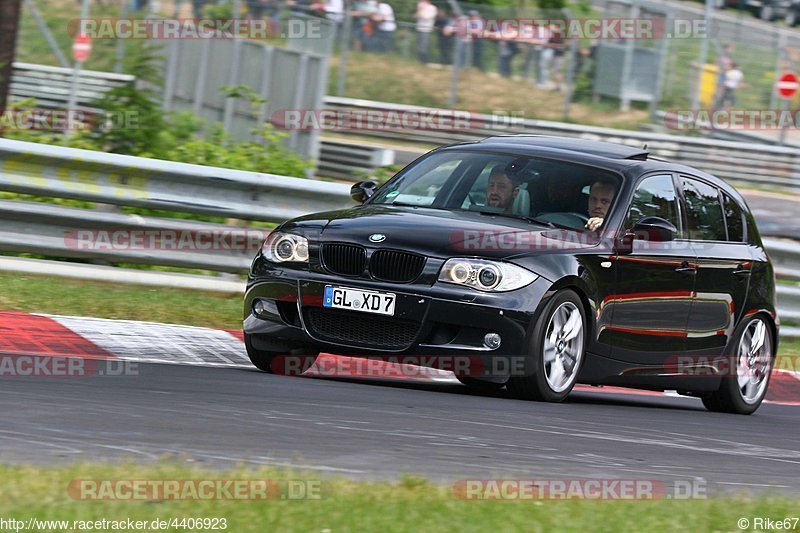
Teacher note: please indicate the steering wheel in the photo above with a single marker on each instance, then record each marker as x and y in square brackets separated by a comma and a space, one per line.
[583, 218]
[568, 219]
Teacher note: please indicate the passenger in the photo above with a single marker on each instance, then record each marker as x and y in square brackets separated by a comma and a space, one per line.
[501, 190]
[601, 193]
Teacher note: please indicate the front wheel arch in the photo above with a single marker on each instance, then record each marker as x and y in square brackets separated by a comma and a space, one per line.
[535, 383]
[576, 285]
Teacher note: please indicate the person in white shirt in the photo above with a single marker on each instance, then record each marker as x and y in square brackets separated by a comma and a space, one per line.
[384, 19]
[733, 80]
[426, 16]
[334, 10]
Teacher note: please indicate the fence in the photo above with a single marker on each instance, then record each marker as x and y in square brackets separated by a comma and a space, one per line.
[50, 86]
[291, 77]
[667, 74]
[738, 162]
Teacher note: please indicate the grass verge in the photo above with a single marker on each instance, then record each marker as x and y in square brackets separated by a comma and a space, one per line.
[42, 294]
[411, 504]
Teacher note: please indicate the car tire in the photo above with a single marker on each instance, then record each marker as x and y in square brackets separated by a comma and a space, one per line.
[268, 362]
[480, 385]
[745, 384]
[554, 342]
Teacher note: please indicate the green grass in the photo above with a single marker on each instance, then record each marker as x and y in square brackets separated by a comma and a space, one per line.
[411, 504]
[38, 294]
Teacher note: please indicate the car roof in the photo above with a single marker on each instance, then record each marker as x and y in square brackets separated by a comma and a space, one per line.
[572, 144]
[628, 160]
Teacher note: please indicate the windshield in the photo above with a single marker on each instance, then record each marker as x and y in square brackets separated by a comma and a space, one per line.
[548, 191]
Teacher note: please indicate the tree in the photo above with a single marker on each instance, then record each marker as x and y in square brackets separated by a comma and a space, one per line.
[9, 24]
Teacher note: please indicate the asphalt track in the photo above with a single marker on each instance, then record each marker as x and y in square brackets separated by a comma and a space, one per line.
[775, 213]
[380, 429]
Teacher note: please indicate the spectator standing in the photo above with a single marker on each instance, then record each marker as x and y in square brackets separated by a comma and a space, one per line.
[507, 48]
[733, 80]
[463, 40]
[559, 46]
[334, 11]
[545, 59]
[724, 63]
[445, 29]
[476, 26]
[386, 26]
[255, 8]
[426, 18]
[364, 28]
[534, 47]
[197, 8]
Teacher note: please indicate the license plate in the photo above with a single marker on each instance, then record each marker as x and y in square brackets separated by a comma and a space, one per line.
[381, 303]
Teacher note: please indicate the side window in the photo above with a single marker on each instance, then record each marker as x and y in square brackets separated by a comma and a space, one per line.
[734, 218]
[655, 197]
[703, 211]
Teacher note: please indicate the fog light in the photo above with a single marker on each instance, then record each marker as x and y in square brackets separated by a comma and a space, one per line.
[258, 307]
[491, 341]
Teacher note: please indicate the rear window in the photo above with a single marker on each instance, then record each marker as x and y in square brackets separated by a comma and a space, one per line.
[734, 218]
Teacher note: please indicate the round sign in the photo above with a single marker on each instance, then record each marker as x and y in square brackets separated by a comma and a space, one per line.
[787, 85]
[81, 47]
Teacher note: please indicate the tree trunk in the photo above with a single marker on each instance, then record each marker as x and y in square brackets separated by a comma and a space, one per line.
[9, 24]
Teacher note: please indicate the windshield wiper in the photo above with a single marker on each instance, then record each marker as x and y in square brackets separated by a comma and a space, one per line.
[404, 204]
[512, 215]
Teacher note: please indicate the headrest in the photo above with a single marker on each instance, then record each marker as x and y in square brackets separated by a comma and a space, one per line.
[522, 203]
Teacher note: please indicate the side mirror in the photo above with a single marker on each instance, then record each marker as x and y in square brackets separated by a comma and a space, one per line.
[363, 190]
[648, 229]
[655, 229]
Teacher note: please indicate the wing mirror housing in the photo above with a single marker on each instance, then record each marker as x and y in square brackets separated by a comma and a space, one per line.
[363, 190]
[648, 229]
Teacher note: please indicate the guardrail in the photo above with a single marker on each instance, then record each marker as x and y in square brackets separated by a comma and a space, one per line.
[50, 86]
[737, 162]
[69, 232]
[347, 159]
[134, 181]
[57, 231]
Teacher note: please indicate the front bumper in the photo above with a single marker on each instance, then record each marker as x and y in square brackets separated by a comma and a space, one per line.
[436, 320]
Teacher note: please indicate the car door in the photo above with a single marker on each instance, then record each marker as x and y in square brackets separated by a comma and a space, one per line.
[715, 227]
[654, 283]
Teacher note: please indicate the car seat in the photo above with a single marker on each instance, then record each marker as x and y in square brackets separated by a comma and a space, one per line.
[522, 203]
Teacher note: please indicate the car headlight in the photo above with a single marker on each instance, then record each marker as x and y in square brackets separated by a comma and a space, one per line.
[492, 276]
[285, 247]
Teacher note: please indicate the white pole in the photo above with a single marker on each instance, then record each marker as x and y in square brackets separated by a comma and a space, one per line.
[72, 103]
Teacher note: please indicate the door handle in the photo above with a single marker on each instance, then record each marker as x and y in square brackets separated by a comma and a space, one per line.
[686, 269]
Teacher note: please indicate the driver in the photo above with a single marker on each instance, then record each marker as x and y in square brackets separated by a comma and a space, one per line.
[501, 190]
[600, 195]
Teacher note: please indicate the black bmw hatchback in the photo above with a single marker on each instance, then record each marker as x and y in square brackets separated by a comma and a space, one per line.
[534, 263]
